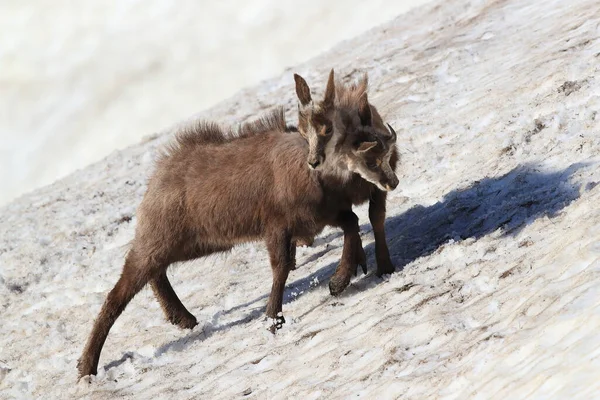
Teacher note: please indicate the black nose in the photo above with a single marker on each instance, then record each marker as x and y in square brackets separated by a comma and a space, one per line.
[314, 164]
[391, 184]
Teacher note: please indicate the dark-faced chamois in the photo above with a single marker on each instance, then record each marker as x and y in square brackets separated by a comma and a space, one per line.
[213, 189]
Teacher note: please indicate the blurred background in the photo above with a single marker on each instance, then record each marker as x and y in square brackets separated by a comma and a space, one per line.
[79, 79]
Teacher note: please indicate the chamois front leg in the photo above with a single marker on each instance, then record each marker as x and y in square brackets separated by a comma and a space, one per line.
[377, 217]
[281, 251]
[352, 254]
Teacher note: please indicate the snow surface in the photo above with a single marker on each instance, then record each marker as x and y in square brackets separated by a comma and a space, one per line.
[494, 230]
[82, 78]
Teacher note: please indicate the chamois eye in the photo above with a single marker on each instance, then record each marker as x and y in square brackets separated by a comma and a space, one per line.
[372, 165]
[329, 129]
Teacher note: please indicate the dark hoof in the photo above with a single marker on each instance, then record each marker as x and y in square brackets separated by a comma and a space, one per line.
[362, 266]
[185, 322]
[361, 259]
[338, 284]
[278, 322]
[385, 268]
[85, 368]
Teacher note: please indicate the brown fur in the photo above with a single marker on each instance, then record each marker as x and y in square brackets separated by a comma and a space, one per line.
[212, 190]
[205, 132]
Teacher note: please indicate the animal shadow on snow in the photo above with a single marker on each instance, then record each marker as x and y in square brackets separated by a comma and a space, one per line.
[508, 202]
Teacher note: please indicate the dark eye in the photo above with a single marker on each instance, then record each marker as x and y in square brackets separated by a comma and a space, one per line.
[329, 129]
[372, 165]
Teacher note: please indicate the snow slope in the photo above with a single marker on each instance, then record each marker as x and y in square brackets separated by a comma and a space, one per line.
[81, 79]
[495, 232]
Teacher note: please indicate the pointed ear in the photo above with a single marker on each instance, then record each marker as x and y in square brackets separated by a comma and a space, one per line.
[329, 92]
[364, 110]
[365, 146]
[363, 84]
[302, 90]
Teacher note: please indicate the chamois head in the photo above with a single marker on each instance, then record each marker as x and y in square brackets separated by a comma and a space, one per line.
[368, 145]
[349, 130]
[315, 122]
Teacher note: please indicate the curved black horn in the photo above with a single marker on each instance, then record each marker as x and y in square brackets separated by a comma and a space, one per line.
[393, 138]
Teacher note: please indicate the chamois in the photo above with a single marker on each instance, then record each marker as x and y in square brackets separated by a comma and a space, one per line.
[213, 189]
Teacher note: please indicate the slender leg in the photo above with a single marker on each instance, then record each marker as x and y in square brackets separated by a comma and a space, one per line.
[351, 256]
[174, 310]
[377, 217]
[132, 280]
[279, 247]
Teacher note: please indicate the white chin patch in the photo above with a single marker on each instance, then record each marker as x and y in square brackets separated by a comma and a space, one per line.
[376, 183]
[381, 187]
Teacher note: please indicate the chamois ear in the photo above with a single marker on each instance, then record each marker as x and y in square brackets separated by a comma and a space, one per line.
[364, 110]
[329, 92]
[302, 90]
[363, 147]
[363, 84]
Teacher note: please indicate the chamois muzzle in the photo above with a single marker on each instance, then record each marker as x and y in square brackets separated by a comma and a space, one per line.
[390, 183]
[315, 162]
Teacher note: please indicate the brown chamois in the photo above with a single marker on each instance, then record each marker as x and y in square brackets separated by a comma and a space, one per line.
[345, 114]
[212, 190]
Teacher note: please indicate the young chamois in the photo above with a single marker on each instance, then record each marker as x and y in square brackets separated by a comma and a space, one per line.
[212, 190]
[344, 116]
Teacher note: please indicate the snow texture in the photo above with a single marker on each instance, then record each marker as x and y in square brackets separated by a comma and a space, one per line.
[494, 230]
[82, 78]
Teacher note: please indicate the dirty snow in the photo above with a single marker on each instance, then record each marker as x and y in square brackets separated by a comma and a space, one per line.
[495, 232]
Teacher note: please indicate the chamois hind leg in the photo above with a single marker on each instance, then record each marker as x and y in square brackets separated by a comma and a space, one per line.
[133, 278]
[280, 249]
[352, 256]
[174, 310]
[172, 306]
[377, 217]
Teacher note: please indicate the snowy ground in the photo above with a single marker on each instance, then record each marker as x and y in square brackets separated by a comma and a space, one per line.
[495, 231]
[80, 79]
